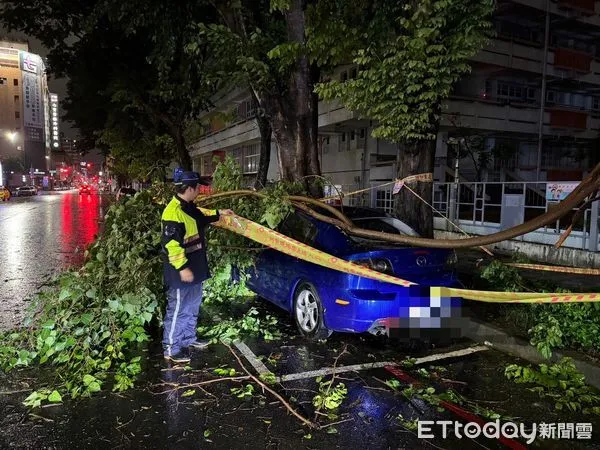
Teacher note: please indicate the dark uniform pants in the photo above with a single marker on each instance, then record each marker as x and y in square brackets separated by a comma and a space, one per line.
[181, 318]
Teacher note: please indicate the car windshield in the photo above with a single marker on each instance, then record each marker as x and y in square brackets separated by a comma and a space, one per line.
[376, 224]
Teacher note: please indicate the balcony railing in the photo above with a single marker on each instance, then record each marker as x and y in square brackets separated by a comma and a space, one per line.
[568, 119]
[569, 59]
[587, 6]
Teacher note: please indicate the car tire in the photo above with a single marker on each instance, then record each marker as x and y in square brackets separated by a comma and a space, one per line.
[308, 313]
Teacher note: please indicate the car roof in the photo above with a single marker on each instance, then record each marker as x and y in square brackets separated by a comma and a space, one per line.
[355, 212]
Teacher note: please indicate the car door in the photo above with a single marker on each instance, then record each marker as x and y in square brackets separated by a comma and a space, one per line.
[277, 270]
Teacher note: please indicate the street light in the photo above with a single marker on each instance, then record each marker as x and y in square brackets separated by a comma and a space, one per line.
[11, 136]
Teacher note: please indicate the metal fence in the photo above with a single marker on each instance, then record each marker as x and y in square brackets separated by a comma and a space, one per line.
[485, 208]
[361, 199]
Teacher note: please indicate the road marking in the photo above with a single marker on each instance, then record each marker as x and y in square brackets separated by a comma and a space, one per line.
[454, 354]
[251, 357]
[377, 365]
[261, 369]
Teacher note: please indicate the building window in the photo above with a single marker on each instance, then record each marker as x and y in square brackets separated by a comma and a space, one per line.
[519, 29]
[250, 109]
[343, 137]
[512, 91]
[206, 165]
[352, 135]
[344, 76]
[384, 200]
[236, 154]
[15, 82]
[247, 157]
[353, 73]
[363, 133]
[3, 80]
[17, 115]
[16, 99]
[251, 157]
[596, 103]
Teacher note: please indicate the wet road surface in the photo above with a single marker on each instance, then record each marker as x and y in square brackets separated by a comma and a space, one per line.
[170, 409]
[39, 236]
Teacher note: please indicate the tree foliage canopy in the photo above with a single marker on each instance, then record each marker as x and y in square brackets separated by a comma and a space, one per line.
[127, 62]
[409, 54]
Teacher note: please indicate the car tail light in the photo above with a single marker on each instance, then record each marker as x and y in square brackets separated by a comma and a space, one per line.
[379, 264]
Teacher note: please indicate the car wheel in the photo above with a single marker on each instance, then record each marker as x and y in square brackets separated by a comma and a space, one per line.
[308, 313]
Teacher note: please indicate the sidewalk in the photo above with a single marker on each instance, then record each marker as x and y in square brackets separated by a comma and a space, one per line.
[472, 261]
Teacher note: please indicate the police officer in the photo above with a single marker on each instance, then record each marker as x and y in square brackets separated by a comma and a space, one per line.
[185, 265]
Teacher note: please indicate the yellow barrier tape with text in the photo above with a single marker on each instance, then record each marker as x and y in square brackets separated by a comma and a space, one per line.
[273, 239]
[558, 269]
[420, 177]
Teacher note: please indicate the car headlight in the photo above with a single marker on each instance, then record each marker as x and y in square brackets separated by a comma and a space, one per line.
[452, 259]
[379, 264]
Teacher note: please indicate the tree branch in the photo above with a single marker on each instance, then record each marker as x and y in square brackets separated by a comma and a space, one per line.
[275, 394]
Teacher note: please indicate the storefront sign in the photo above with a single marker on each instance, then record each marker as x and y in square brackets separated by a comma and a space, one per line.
[556, 192]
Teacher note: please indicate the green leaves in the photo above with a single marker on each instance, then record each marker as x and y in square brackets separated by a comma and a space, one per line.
[549, 326]
[560, 382]
[329, 397]
[90, 319]
[189, 393]
[225, 372]
[91, 383]
[243, 392]
[407, 71]
[55, 397]
[250, 324]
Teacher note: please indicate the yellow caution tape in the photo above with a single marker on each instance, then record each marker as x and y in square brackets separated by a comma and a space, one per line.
[560, 269]
[422, 177]
[271, 238]
[289, 246]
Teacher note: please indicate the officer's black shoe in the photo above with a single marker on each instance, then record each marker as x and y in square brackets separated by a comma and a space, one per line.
[200, 344]
[179, 358]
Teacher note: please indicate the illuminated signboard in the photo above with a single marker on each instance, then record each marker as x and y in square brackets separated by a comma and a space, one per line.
[54, 121]
[32, 68]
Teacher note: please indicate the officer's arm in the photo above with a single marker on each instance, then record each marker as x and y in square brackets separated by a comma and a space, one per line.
[172, 240]
[210, 215]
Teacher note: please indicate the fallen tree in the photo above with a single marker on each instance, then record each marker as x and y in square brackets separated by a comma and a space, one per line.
[588, 187]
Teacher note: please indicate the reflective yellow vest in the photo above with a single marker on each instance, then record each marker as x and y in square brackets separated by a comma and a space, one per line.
[183, 241]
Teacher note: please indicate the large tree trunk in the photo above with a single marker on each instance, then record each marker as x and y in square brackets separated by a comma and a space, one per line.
[182, 152]
[293, 112]
[416, 157]
[265, 149]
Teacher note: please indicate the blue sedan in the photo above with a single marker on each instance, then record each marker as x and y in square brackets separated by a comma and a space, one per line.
[323, 300]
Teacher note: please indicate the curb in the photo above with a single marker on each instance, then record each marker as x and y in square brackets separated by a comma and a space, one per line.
[498, 339]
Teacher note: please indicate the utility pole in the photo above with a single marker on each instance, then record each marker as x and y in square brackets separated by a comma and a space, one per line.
[543, 93]
[453, 203]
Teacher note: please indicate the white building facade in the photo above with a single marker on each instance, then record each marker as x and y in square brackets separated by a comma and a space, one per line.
[534, 92]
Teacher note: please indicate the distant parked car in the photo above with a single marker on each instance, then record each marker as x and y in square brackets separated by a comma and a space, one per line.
[125, 192]
[23, 191]
[4, 194]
